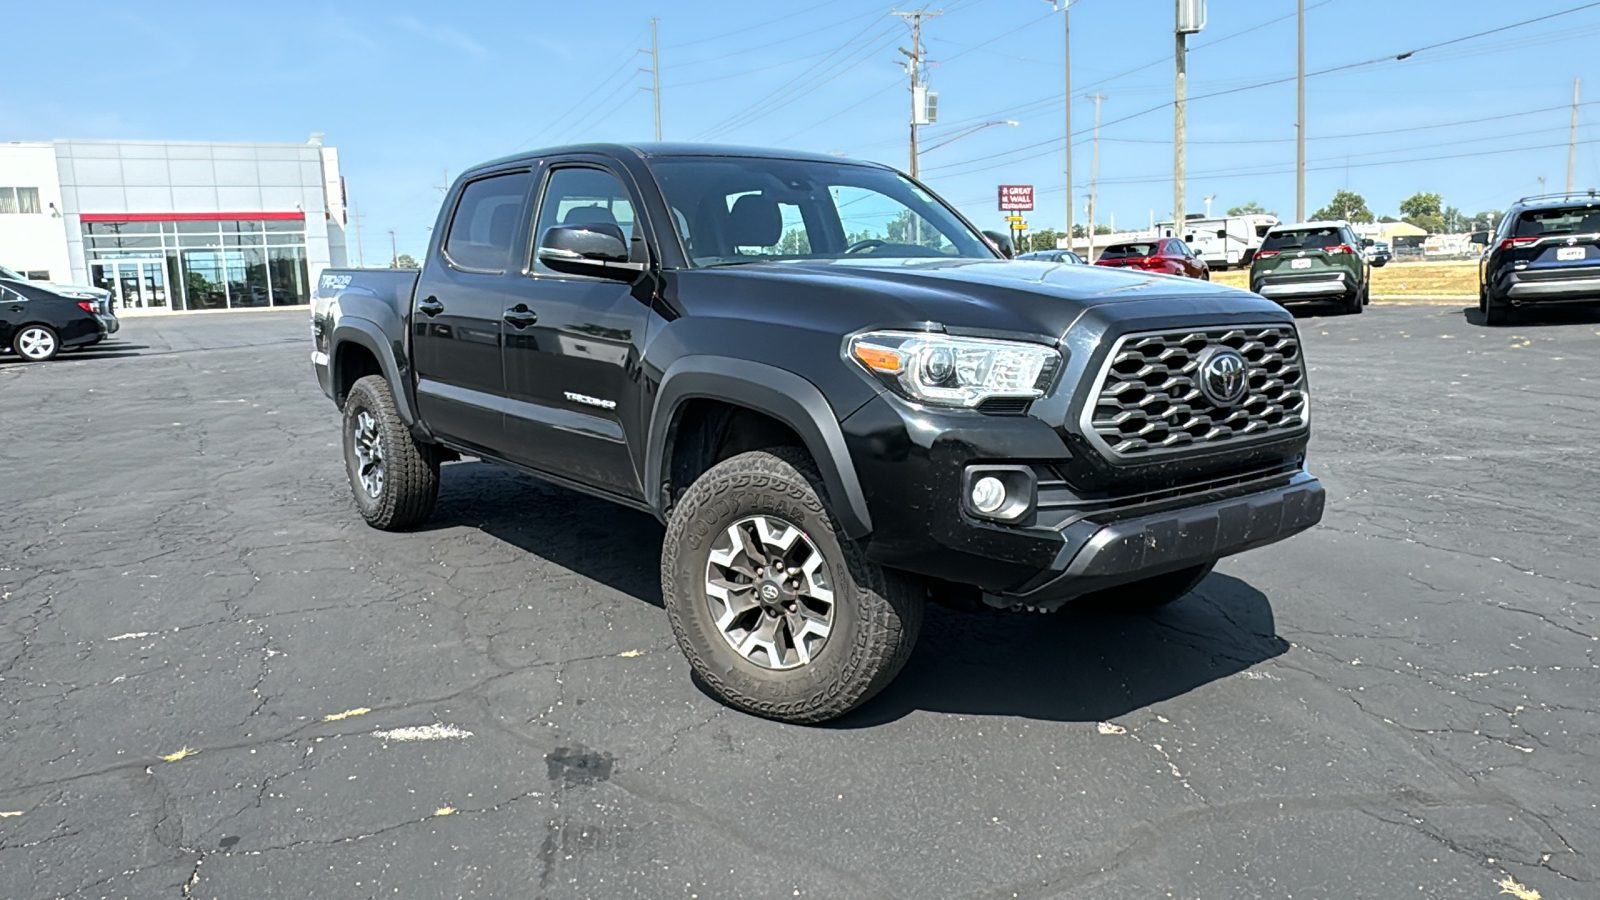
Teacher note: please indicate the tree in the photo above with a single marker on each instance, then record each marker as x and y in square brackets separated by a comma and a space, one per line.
[1043, 239]
[404, 261]
[1347, 205]
[1079, 231]
[1454, 221]
[1484, 221]
[1421, 204]
[795, 242]
[1249, 209]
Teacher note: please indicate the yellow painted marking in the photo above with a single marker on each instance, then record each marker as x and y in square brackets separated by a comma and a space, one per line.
[445, 811]
[7, 815]
[1508, 885]
[1110, 728]
[630, 654]
[347, 714]
[181, 754]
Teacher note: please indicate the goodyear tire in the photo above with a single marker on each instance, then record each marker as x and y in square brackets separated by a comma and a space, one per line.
[393, 477]
[777, 613]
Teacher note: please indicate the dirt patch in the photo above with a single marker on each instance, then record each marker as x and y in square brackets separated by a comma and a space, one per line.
[1398, 281]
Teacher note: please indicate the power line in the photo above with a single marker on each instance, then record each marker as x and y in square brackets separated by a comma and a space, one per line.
[1342, 68]
[1356, 134]
[626, 61]
[785, 40]
[748, 28]
[744, 116]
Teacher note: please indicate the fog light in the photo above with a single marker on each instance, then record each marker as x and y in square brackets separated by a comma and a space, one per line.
[988, 494]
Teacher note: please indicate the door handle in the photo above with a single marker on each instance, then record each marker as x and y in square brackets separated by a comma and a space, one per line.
[430, 306]
[520, 316]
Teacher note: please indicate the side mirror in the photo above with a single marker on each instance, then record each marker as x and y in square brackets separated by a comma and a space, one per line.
[1368, 242]
[1479, 237]
[594, 248]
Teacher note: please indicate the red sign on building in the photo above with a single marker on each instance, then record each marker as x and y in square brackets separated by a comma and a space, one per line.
[1016, 197]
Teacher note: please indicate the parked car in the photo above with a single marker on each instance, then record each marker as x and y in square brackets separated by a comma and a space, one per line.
[1060, 256]
[100, 297]
[1545, 251]
[36, 324]
[1169, 256]
[1318, 261]
[1225, 241]
[1379, 254]
[833, 429]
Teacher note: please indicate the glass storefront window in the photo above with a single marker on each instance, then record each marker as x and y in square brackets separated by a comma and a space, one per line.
[195, 265]
[290, 281]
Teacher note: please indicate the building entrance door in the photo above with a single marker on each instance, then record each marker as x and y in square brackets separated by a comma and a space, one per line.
[134, 283]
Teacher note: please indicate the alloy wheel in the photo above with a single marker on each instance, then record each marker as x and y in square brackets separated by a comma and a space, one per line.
[369, 453]
[768, 588]
[36, 343]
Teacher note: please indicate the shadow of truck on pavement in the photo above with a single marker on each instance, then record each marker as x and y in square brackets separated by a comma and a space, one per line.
[1076, 665]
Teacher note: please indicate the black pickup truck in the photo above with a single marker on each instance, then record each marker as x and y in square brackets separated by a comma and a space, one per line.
[838, 398]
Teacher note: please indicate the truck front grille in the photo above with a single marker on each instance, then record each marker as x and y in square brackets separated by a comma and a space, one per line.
[1149, 402]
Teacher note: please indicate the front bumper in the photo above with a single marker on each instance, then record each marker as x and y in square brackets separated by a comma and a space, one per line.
[1092, 525]
[1140, 547]
[1306, 288]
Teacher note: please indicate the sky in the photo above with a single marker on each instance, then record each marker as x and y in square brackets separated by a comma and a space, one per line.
[411, 93]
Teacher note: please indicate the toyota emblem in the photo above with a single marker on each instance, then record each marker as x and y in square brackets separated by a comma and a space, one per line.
[1224, 376]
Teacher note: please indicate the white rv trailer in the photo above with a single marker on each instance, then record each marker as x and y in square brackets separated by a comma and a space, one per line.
[1224, 241]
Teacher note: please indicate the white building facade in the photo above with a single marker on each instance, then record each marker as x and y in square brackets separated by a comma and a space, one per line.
[174, 226]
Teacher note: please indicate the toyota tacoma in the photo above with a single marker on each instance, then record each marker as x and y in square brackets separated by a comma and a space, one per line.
[838, 398]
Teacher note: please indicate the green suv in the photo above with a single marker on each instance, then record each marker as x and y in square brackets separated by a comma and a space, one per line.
[1320, 261]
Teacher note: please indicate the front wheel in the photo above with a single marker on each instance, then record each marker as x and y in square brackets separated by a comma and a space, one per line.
[395, 479]
[36, 343]
[778, 612]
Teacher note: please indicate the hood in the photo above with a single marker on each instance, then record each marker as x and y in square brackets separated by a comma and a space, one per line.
[1001, 296]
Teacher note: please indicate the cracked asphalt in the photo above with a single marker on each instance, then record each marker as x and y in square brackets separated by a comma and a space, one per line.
[215, 681]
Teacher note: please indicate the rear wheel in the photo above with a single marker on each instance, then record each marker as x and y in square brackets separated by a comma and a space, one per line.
[394, 478]
[36, 343]
[1356, 301]
[778, 613]
[1495, 314]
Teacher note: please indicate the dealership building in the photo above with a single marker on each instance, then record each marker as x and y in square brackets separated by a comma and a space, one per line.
[173, 225]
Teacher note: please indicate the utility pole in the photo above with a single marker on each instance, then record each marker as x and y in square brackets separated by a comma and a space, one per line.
[1180, 126]
[1300, 124]
[1094, 172]
[394, 249]
[915, 70]
[1572, 141]
[361, 252]
[1065, 8]
[655, 73]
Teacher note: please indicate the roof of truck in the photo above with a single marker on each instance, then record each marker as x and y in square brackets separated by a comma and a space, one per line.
[655, 150]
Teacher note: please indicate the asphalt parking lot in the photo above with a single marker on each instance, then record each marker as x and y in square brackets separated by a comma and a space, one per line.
[217, 682]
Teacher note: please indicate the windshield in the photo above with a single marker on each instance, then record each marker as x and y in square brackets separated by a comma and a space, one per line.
[739, 210]
[1308, 239]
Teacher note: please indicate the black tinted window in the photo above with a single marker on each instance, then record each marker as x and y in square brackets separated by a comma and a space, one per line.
[1308, 239]
[485, 222]
[584, 197]
[1129, 251]
[1540, 222]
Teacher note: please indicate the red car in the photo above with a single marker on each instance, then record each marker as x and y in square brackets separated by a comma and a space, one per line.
[1168, 256]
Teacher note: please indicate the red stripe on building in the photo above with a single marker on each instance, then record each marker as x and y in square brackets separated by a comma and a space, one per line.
[190, 217]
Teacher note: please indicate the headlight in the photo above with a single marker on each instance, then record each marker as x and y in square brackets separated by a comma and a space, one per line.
[955, 371]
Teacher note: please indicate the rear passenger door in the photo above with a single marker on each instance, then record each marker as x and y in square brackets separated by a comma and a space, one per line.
[457, 309]
[13, 306]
